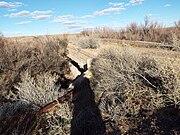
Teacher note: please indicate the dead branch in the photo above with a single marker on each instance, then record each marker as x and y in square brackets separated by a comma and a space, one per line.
[146, 80]
[51, 106]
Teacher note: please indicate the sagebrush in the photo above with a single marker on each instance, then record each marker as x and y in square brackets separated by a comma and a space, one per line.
[88, 42]
[31, 76]
[132, 88]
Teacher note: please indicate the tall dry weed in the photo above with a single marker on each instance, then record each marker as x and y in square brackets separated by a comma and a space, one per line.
[132, 87]
[151, 31]
[45, 54]
[31, 72]
[88, 42]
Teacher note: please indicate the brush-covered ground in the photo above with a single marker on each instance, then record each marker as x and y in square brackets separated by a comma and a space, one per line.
[137, 87]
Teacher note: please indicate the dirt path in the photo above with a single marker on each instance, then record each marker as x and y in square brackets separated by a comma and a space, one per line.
[82, 55]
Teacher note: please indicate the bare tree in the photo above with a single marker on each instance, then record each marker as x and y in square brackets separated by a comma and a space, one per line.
[177, 24]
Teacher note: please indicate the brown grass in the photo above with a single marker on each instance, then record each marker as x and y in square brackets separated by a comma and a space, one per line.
[136, 93]
[32, 71]
[132, 88]
[16, 57]
[88, 42]
[151, 31]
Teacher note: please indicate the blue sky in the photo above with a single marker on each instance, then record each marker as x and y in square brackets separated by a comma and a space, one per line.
[36, 17]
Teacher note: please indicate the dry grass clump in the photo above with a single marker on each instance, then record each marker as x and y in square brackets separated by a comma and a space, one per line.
[132, 88]
[19, 118]
[32, 72]
[34, 93]
[58, 122]
[90, 42]
[13, 109]
[47, 55]
[39, 90]
[176, 42]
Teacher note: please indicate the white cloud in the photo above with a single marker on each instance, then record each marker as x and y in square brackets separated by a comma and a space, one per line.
[71, 23]
[41, 17]
[149, 15]
[75, 22]
[74, 26]
[87, 16]
[136, 2]
[116, 4]
[23, 23]
[13, 9]
[77, 30]
[62, 18]
[167, 5]
[108, 11]
[4, 4]
[19, 14]
[131, 2]
[66, 16]
[127, 4]
[38, 12]
[38, 15]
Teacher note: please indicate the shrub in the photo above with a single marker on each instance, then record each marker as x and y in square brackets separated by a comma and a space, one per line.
[39, 90]
[150, 31]
[16, 108]
[176, 41]
[31, 75]
[88, 42]
[19, 118]
[1, 39]
[131, 88]
[177, 24]
[58, 122]
[38, 56]
[16, 117]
